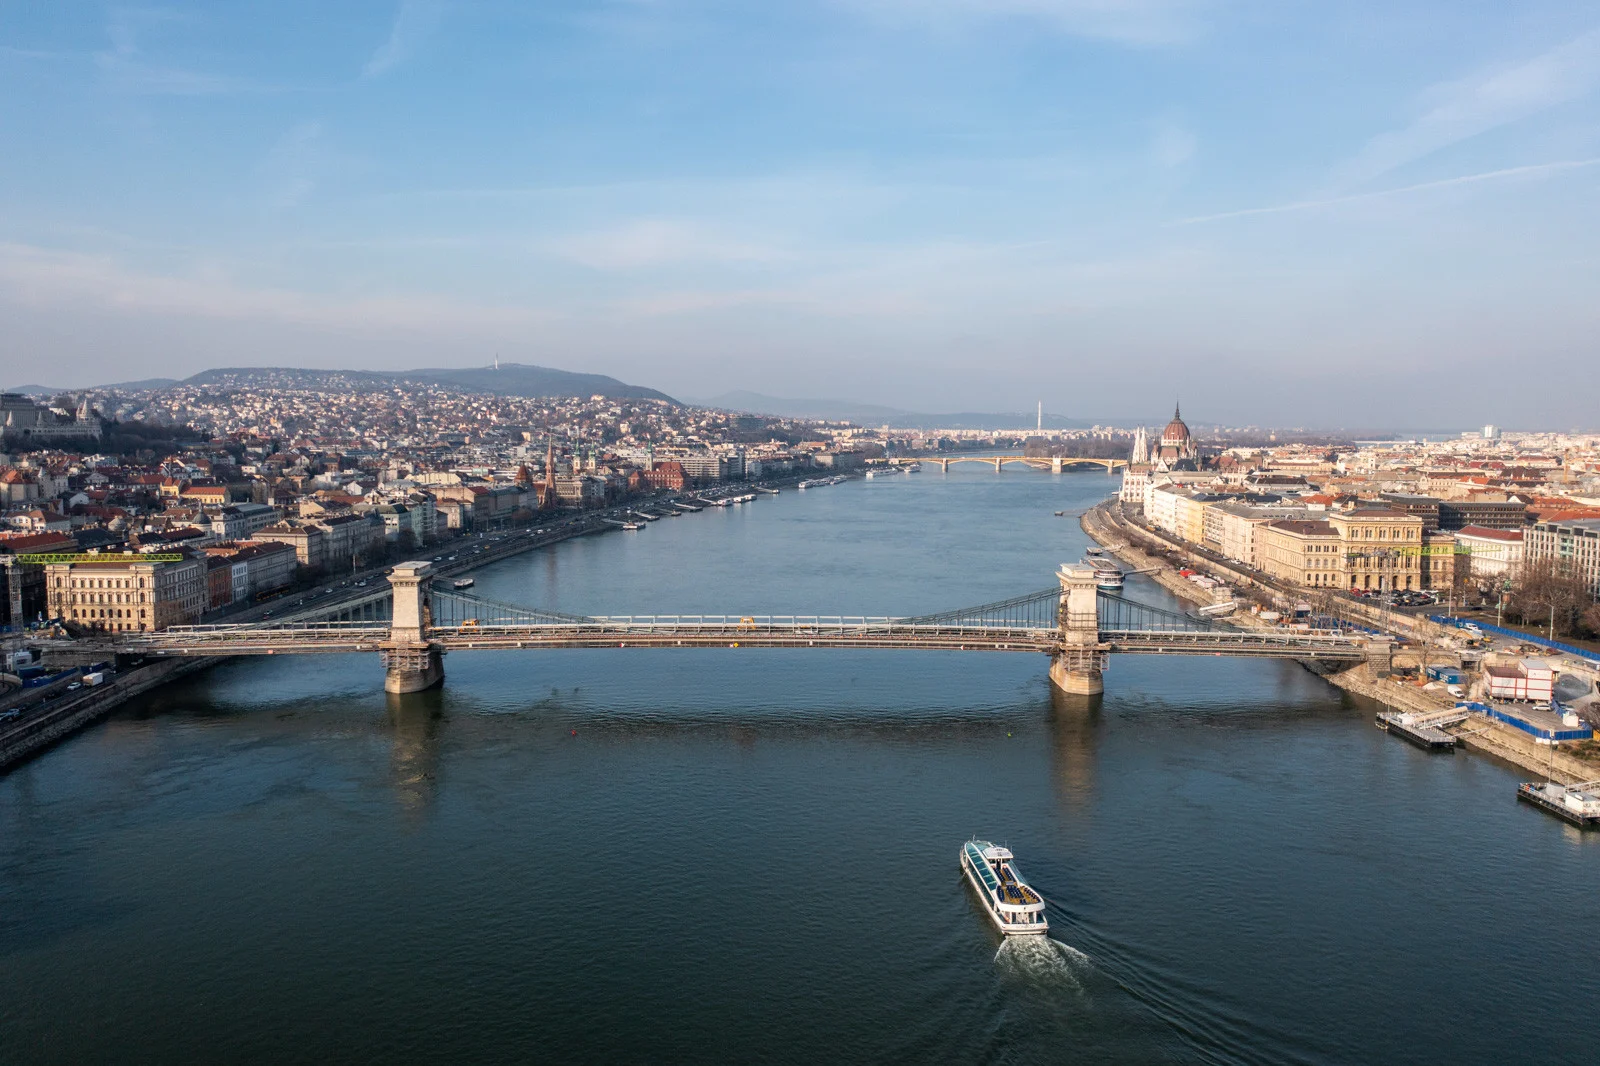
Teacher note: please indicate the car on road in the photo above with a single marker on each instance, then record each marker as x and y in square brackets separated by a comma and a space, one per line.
[74, 686]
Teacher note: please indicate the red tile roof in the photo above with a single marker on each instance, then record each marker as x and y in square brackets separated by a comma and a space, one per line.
[1510, 536]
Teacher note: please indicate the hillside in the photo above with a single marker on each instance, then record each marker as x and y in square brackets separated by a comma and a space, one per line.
[510, 379]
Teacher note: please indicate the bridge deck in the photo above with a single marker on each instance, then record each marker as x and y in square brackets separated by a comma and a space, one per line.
[642, 633]
[1031, 622]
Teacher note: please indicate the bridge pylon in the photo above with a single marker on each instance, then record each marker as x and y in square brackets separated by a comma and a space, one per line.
[1078, 669]
[411, 661]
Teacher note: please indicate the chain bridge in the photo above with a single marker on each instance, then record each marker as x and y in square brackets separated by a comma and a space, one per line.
[1053, 463]
[414, 622]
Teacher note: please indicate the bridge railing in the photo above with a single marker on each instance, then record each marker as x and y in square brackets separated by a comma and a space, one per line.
[266, 627]
[287, 635]
[1295, 645]
[736, 624]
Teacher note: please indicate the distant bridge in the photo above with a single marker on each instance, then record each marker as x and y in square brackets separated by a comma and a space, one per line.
[1053, 463]
[414, 623]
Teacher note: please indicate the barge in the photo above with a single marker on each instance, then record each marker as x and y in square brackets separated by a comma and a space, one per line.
[1578, 804]
[1426, 731]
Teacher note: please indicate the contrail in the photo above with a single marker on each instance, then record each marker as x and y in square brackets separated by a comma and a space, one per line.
[1465, 179]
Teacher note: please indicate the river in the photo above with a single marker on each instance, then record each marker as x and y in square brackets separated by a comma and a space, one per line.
[738, 855]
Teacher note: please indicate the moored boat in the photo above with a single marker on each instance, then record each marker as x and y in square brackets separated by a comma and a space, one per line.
[1014, 907]
[464, 583]
[1571, 803]
[1107, 574]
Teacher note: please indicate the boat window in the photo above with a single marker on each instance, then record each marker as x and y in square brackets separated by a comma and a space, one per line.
[982, 867]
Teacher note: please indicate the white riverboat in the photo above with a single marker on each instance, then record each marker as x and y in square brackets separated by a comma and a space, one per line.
[465, 583]
[1014, 907]
[1107, 574]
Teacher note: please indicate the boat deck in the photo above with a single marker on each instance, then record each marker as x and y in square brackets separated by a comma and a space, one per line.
[1422, 730]
[1548, 797]
[1011, 892]
[1005, 885]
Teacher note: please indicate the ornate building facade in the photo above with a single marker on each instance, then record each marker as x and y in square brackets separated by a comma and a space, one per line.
[1175, 449]
[1177, 445]
[26, 424]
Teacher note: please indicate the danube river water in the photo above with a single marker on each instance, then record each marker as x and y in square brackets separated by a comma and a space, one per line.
[740, 856]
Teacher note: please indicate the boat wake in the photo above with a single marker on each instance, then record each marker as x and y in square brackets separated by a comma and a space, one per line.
[1043, 962]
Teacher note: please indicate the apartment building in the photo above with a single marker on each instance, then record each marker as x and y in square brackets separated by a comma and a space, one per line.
[1574, 544]
[1233, 527]
[1491, 554]
[242, 520]
[1304, 553]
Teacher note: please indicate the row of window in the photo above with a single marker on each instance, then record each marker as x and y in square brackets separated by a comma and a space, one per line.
[102, 583]
[1384, 533]
[103, 597]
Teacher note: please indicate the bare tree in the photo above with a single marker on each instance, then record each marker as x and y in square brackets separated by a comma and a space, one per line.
[1549, 591]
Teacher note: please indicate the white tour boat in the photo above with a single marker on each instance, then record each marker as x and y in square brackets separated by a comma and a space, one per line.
[1107, 574]
[1014, 907]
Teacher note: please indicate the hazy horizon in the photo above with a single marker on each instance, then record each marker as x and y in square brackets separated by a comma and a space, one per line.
[1350, 214]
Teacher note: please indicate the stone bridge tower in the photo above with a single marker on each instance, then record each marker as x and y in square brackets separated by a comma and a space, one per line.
[411, 662]
[1078, 667]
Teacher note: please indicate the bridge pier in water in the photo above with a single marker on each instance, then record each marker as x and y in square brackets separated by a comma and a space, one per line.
[411, 662]
[1078, 669]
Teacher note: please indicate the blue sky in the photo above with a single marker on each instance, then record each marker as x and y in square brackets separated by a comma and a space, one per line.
[1287, 212]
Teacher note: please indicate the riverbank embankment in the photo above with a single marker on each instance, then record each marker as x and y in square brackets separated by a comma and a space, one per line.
[89, 705]
[1144, 551]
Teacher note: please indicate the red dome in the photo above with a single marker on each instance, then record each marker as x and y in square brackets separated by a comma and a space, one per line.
[1177, 430]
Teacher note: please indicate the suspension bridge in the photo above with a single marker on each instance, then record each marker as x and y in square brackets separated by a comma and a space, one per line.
[1053, 463]
[414, 622]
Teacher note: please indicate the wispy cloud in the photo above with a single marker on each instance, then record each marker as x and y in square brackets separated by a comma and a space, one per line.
[130, 76]
[1172, 146]
[8, 51]
[33, 275]
[1456, 111]
[125, 69]
[657, 242]
[413, 23]
[1135, 22]
[1533, 170]
[291, 165]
